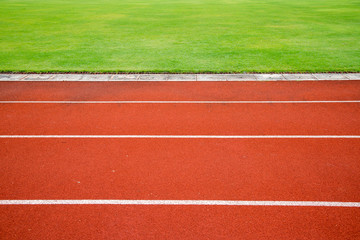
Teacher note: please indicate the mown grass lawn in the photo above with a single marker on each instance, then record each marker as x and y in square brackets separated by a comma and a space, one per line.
[180, 35]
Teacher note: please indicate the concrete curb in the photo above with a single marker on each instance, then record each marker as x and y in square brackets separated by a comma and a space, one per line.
[180, 77]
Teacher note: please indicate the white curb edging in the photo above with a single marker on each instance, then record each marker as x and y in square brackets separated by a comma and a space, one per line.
[180, 77]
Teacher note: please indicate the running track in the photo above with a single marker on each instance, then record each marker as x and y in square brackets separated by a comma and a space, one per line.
[180, 160]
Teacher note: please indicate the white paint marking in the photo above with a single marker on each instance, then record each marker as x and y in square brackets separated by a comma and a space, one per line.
[176, 102]
[181, 136]
[182, 202]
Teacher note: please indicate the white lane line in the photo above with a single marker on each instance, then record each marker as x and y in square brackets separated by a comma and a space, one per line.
[180, 136]
[175, 102]
[182, 202]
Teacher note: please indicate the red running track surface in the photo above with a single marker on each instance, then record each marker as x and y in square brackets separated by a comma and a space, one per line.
[180, 91]
[181, 119]
[186, 169]
[180, 169]
[178, 222]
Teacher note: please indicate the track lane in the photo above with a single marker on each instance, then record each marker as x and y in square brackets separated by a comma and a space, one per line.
[180, 119]
[181, 169]
[177, 91]
[178, 222]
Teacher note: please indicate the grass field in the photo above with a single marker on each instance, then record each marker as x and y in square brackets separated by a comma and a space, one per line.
[180, 35]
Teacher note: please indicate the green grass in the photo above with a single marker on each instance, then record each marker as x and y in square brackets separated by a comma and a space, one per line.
[180, 35]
